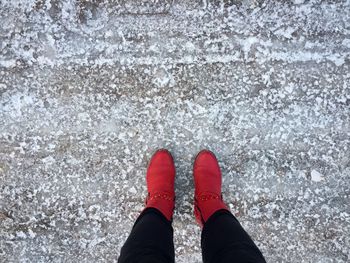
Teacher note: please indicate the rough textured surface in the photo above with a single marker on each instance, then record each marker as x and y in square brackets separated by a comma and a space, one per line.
[90, 89]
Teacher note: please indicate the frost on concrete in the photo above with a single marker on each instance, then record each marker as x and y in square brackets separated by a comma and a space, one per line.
[90, 89]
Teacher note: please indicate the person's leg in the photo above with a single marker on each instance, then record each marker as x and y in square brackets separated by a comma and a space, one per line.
[225, 241]
[223, 238]
[151, 240]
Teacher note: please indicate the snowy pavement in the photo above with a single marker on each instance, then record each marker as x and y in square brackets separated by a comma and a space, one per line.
[90, 89]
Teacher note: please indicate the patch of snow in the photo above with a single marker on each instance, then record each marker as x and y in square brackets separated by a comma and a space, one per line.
[316, 176]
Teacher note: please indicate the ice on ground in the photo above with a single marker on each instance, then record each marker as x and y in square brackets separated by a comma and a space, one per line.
[90, 89]
[316, 176]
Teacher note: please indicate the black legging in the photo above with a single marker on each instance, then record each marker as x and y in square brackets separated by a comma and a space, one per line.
[223, 240]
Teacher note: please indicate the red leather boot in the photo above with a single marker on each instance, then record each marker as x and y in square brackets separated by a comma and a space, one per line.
[207, 180]
[160, 183]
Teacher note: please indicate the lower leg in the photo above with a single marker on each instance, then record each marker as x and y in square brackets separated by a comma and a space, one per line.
[225, 240]
[151, 239]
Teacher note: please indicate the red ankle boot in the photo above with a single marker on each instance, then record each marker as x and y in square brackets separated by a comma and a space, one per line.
[160, 183]
[207, 180]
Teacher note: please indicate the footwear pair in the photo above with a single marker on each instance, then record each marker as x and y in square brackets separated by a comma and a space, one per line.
[207, 180]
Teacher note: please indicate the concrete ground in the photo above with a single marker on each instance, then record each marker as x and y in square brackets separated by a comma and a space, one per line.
[90, 89]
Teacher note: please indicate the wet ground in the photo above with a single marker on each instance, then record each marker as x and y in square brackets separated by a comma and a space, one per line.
[90, 89]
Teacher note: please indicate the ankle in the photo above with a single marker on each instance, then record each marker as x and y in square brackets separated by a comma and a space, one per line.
[162, 201]
[206, 205]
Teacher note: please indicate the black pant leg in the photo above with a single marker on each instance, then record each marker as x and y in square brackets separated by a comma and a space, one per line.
[225, 241]
[150, 241]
